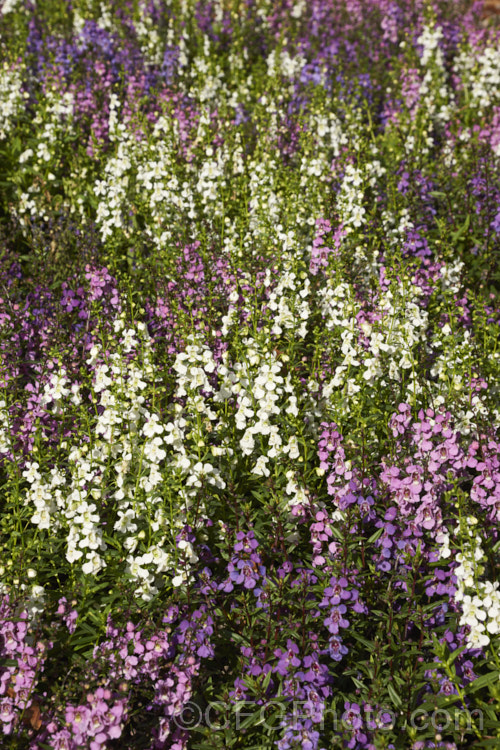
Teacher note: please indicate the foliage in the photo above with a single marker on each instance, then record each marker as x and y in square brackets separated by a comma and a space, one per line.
[249, 421]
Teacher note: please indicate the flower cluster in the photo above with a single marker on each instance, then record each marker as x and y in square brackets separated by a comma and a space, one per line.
[249, 408]
[27, 656]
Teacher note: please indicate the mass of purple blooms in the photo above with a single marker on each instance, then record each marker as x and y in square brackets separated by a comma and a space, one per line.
[249, 375]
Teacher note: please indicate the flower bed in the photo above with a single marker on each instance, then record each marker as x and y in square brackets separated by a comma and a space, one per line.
[249, 418]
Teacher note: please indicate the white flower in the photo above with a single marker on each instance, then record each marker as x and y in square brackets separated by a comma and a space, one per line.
[160, 558]
[188, 550]
[493, 626]
[477, 638]
[130, 543]
[292, 447]
[35, 604]
[275, 442]
[292, 406]
[152, 426]
[244, 412]
[405, 362]
[128, 340]
[247, 443]
[125, 522]
[102, 381]
[260, 467]
[73, 554]
[29, 152]
[31, 472]
[42, 519]
[153, 450]
[472, 611]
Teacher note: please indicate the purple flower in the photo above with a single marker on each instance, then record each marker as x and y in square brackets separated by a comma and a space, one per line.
[246, 542]
[240, 690]
[288, 658]
[336, 619]
[352, 715]
[336, 592]
[336, 648]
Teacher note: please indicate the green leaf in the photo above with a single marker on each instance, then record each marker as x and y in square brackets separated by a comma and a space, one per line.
[267, 680]
[462, 230]
[336, 533]
[367, 644]
[487, 709]
[375, 536]
[253, 720]
[357, 682]
[394, 696]
[455, 654]
[484, 681]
